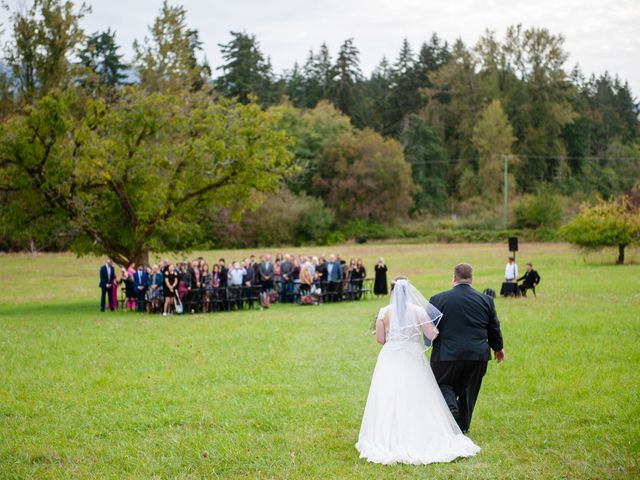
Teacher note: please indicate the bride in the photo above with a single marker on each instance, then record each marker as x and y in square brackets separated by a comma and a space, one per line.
[406, 419]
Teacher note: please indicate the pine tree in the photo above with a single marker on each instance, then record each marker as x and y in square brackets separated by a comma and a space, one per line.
[245, 72]
[345, 91]
[101, 58]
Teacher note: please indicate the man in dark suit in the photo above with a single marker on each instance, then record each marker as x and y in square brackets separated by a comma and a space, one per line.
[531, 279]
[140, 286]
[107, 277]
[469, 330]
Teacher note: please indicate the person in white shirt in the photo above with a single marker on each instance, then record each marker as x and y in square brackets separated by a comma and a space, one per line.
[511, 271]
[236, 277]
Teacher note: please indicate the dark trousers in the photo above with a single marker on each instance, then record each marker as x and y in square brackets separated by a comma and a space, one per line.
[460, 382]
[335, 291]
[106, 292]
[140, 298]
[286, 295]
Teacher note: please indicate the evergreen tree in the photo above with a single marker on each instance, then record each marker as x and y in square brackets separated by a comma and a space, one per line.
[405, 97]
[245, 72]
[345, 91]
[101, 58]
[427, 156]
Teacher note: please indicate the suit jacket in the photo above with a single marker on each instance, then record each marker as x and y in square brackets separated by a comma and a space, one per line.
[336, 272]
[531, 279]
[469, 327]
[266, 270]
[140, 279]
[107, 277]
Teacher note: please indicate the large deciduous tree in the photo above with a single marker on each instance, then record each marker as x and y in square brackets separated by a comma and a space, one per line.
[611, 223]
[363, 176]
[167, 60]
[136, 175]
[44, 38]
[493, 138]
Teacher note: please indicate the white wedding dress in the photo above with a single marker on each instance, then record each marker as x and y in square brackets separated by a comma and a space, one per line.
[406, 419]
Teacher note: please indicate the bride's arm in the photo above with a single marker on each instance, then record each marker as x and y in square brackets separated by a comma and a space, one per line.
[428, 329]
[380, 330]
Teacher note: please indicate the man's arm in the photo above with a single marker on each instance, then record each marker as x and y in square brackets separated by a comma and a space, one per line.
[494, 333]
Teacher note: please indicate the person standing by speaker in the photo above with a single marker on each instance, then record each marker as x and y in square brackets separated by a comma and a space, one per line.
[511, 271]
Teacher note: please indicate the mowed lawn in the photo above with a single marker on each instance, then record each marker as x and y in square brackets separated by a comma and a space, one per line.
[280, 393]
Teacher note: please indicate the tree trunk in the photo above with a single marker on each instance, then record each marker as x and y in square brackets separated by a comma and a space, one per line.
[141, 257]
[620, 260]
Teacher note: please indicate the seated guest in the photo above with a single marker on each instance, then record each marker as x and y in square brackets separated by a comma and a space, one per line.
[140, 280]
[107, 280]
[529, 280]
[511, 271]
[154, 287]
[170, 287]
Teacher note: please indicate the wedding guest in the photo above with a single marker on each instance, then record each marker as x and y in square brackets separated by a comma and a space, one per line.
[216, 296]
[236, 277]
[349, 282]
[249, 282]
[334, 277]
[265, 273]
[511, 270]
[170, 288]
[205, 285]
[183, 278]
[380, 285]
[107, 280]
[140, 280]
[306, 277]
[114, 290]
[531, 280]
[321, 272]
[277, 275]
[154, 287]
[130, 288]
[286, 270]
[224, 284]
[358, 274]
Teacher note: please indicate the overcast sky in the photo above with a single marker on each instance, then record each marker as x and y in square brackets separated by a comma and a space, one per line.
[600, 34]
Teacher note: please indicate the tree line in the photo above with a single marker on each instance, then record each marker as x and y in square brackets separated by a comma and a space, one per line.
[165, 151]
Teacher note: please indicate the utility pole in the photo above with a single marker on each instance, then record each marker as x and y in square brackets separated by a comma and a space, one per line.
[505, 218]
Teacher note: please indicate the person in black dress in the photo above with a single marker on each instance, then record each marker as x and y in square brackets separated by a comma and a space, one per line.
[170, 287]
[380, 285]
[358, 274]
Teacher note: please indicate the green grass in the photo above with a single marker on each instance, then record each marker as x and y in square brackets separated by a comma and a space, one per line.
[280, 393]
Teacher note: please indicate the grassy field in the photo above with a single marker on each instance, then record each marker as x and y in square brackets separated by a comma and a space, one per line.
[280, 393]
